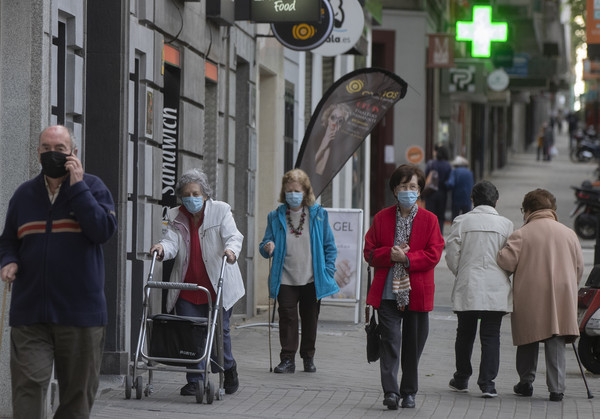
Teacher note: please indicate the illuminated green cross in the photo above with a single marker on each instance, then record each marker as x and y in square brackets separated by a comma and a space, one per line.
[481, 31]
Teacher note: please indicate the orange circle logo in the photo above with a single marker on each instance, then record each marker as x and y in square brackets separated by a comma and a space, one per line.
[303, 31]
[414, 154]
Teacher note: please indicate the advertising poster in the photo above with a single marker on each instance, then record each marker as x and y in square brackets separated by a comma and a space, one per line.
[347, 226]
[344, 117]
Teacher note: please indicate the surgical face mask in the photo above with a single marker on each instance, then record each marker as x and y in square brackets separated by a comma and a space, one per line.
[193, 203]
[53, 164]
[294, 199]
[407, 198]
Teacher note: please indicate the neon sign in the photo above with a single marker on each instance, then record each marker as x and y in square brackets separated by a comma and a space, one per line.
[481, 31]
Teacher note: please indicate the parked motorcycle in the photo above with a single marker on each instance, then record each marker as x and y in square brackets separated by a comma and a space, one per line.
[588, 306]
[587, 209]
[586, 149]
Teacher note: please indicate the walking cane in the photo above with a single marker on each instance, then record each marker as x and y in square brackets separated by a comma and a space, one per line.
[269, 314]
[589, 393]
[6, 288]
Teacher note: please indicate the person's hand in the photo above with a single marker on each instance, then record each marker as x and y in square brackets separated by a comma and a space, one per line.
[9, 273]
[398, 253]
[75, 169]
[269, 248]
[343, 273]
[230, 256]
[160, 251]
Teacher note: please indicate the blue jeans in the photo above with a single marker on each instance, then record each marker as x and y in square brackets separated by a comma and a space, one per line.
[185, 308]
[489, 335]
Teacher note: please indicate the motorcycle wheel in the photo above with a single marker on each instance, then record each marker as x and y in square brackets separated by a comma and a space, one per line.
[573, 155]
[589, 353]
[585, 227]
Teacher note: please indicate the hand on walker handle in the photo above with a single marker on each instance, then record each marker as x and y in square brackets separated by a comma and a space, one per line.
[230, 256]
[160, 251]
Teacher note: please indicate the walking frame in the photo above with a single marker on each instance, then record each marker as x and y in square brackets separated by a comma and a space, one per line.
[150, 353]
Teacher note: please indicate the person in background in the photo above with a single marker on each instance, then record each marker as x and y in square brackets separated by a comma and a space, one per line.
[482, 291]
[51, 253]
[546, 261]
[548, 142]
[404, 244]
[436, 202]
[300, 240]
[460, 183]
[199, 234]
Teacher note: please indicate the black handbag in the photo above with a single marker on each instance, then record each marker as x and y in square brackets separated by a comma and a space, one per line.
[371, 325]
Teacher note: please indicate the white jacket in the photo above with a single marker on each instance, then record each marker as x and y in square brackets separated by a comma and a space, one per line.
[471, 250]
[217, 233]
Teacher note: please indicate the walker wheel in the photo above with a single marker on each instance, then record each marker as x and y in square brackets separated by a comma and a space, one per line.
[128, 384]
[139, 387]
[210, 393]
[199, 393]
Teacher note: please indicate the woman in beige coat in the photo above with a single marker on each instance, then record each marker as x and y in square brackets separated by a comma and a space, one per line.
[546, 260]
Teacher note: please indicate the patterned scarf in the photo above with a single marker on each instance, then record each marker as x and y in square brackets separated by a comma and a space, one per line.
[401, 281]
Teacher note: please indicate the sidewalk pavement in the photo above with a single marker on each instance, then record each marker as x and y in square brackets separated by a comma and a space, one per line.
[346, 386]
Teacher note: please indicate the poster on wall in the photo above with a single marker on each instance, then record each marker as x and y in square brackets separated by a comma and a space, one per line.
[170, 137]
[347, 226]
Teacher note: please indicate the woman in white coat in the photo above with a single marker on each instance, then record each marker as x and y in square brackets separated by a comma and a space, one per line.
[198, 234]
[482, 290]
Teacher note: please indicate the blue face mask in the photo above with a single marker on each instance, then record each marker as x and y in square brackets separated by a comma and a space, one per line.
[407, 198]
[294, 199]
[193, 203]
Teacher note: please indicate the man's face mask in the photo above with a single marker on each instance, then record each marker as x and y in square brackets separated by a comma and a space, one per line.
[53, 164]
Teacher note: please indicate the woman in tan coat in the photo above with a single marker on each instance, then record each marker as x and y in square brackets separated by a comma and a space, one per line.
[546, 260]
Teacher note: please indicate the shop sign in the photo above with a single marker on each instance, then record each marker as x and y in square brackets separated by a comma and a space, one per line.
[302, 36]
[273, 11]
[349, 22]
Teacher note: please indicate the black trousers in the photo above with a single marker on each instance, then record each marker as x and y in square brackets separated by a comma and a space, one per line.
[401, 345]
[292, 299]
[489, 336]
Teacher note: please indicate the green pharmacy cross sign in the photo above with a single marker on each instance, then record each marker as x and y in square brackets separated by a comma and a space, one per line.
[481, 31]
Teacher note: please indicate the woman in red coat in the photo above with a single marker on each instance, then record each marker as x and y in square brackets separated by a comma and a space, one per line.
[404, 244]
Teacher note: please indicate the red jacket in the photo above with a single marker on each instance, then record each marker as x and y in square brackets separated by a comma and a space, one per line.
[426, 245]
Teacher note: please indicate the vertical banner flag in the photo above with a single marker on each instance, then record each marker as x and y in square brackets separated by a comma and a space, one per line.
[345, 115]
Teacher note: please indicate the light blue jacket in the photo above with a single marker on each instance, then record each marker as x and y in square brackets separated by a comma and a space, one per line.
[322, 245]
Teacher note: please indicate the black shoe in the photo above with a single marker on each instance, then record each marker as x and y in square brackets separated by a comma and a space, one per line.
[189, 389]
[231, 382]
[556, 397]
[391, 401]
[458, 386]
[523, 389]
[286, 366]
[408, 401]
[309, 365]
[489, 394]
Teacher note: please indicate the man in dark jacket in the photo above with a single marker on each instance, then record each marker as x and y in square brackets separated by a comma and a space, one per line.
[51, 255]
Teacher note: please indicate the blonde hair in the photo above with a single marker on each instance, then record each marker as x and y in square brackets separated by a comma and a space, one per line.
[298, 175]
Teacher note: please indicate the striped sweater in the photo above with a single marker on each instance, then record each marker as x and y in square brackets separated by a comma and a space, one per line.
[57, 248]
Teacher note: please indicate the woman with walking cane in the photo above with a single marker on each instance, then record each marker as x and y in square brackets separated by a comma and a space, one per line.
[300, 241]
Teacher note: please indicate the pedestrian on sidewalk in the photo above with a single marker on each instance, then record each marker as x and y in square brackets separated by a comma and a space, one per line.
[460, 182]
[404, 245]
[199, 234]
[51, 253]
[548, 142]
[436, 202]
[547, 264]
[299, 239]
[482, 290]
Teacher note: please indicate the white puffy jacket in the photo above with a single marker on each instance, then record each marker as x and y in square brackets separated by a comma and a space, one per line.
[471, 250]
[217, 233]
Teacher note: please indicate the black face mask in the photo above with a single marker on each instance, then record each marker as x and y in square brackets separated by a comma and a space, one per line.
[53, 164]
